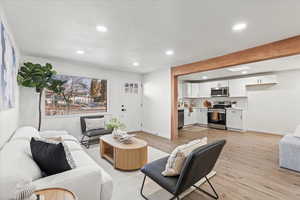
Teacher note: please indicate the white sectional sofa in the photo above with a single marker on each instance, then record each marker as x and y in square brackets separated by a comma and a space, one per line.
[88, 180]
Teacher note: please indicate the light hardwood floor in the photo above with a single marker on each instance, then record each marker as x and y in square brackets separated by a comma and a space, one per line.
[247, 168]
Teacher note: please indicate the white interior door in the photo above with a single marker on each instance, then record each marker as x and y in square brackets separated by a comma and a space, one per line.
[130, 108]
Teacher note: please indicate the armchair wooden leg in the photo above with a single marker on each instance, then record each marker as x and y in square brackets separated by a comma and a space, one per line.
[142, 188]
[212, 196]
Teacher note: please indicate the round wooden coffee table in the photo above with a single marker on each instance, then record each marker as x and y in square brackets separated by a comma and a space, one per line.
[55, 194]
[124, 156]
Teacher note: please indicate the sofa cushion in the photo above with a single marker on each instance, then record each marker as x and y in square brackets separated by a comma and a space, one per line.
[16, 154]
[25, 132]
[53, 133]
[51, 156]
[82, 159]
[9, 184]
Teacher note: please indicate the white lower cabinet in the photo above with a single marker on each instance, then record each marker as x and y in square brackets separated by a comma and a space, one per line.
[201, 116]
[189, 117]
[235, 119]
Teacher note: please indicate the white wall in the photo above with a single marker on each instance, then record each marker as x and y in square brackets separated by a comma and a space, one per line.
[9, 118]
[116, 97]
[157, 103]
[275, 109]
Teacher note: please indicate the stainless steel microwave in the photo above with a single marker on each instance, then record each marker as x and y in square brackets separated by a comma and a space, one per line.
[220, 92]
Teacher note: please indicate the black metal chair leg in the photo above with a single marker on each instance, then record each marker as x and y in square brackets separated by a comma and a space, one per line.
[81, 141]
[84, 143]
[212, 196]
[142, 188]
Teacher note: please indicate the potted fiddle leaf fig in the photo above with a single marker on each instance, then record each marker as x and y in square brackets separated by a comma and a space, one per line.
[36, 76]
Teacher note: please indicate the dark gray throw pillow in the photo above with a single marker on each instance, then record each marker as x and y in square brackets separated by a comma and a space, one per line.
[52, 157]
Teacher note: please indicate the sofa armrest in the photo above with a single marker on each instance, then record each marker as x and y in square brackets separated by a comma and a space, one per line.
[84, 182]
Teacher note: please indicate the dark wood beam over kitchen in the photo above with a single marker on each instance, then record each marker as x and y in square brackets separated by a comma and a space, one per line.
[278, 49]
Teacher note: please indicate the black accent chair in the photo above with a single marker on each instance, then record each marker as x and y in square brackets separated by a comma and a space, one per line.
[197, 166]
[91, 133]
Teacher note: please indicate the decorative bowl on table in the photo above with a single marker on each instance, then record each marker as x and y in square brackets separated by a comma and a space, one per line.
[122, 136]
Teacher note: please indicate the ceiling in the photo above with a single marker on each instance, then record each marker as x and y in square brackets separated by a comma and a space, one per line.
[268, 66]
[142, 30]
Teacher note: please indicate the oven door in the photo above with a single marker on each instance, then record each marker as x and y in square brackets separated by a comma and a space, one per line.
[217, 118]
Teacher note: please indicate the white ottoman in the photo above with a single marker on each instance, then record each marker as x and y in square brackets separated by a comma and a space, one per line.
[289, 152]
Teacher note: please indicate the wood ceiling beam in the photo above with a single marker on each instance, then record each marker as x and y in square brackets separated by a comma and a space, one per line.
[282, 48]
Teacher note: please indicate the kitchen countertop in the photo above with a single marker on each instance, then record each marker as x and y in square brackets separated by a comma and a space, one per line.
[236, 108]
[200, 107]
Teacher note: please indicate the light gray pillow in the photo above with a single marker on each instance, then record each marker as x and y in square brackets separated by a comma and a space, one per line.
[96, 123]
[178, 156]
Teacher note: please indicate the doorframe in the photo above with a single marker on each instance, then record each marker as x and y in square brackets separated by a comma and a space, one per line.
[278, 49]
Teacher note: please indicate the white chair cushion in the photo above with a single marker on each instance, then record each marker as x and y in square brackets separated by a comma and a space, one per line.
[178, 156]
[96, 123]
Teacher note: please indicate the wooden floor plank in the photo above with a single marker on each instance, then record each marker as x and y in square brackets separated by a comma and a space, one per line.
[247, 169]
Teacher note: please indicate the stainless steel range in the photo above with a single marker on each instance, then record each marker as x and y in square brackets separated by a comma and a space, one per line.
[217, 115]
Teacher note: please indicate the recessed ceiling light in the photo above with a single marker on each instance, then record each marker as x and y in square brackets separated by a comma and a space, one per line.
[204, 77]
[239, 27]
[238, 69]
[169, 52]
[80, 52]
[102, 29]
[135, 64]
[244, 72]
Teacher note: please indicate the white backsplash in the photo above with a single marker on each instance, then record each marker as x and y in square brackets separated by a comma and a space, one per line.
[198, 102]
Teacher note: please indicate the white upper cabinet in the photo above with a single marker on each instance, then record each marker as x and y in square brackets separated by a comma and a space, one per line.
[216, 84]
[180, 89]
[237, 88]
[187, 88]
[191, 90]
[204, 89]
[261, 80]
[195, 90]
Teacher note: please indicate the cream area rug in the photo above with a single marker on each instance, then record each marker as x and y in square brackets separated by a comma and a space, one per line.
[127, 184]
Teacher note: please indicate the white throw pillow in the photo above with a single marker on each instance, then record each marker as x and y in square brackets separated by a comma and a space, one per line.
[178, 156]
[96, 123]
[297, 131]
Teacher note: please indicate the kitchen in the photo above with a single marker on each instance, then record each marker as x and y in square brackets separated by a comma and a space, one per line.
[224, 98]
